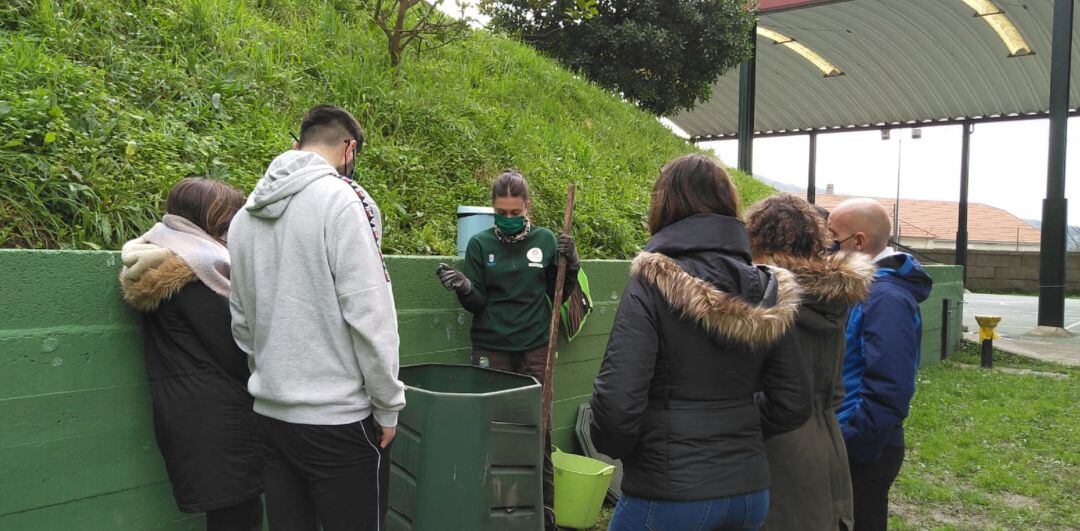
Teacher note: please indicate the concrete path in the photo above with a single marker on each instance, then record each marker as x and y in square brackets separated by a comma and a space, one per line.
[1019, 315]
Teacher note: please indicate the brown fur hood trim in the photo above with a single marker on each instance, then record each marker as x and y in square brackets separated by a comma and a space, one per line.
[722, 314]
[156, 284]
[842, 278]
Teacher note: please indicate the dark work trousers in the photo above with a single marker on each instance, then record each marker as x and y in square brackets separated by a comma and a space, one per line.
[245, 516]
[871, 482]
[336, 476]
[531, 363]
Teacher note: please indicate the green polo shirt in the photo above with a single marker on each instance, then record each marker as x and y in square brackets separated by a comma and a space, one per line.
[510, 287]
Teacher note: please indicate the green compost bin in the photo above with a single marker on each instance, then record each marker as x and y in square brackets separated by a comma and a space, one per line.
[467, 454]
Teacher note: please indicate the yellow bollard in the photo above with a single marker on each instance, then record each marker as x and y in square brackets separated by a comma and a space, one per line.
[987, 334]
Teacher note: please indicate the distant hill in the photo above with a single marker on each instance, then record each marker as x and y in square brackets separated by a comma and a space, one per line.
[1073, 234]
[784, 187]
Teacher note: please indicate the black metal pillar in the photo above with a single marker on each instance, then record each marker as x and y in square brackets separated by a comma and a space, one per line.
[986, 354]
[747, 89]
[962, 222]
[1052, 248]
[944, 328]
[811, 172]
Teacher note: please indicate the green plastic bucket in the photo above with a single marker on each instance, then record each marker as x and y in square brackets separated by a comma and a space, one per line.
[580, 486]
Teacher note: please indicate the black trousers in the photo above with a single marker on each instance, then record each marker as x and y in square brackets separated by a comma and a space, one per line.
[336, 476]
[871, 482]
[245, 516]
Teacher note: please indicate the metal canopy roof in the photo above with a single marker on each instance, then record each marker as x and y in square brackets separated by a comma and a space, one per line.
[903, 61]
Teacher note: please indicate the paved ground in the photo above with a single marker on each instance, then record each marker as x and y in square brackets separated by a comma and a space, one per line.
[1019, 316]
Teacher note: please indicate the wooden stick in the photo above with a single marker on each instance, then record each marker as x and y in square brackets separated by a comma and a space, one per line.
[556, 315]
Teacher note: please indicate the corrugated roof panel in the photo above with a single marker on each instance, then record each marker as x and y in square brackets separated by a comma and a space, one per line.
[903, 60]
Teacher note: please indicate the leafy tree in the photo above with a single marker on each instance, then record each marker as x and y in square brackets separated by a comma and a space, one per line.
[405, 22]
[662, 54]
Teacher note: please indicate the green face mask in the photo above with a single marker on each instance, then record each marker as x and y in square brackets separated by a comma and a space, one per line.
[510, 226]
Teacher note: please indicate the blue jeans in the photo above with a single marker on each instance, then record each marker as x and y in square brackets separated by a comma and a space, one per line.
[742, 511]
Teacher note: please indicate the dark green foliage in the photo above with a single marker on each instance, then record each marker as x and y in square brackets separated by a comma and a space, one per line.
[104, 104]
[662, 54]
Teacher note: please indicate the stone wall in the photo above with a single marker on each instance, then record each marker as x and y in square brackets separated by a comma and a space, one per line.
[992, 271]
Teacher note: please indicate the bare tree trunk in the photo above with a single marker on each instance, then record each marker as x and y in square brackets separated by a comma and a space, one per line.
[396, 45]
[395, 51]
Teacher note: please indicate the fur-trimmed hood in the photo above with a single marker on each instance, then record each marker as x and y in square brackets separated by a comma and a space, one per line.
[831, 285]
[152, 274]
[724, 314]
[842, 278]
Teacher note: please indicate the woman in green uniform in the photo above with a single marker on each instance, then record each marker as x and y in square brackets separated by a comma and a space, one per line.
[508, 279]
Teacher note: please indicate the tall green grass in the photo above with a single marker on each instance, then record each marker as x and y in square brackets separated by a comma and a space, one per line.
[104, 104]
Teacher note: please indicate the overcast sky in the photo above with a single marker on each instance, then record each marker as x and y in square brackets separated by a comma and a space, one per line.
[1008, 162]
[454, 7]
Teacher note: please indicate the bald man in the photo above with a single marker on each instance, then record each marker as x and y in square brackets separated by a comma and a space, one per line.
[882, 357]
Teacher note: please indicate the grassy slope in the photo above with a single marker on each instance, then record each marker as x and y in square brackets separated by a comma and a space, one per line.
[104, 104]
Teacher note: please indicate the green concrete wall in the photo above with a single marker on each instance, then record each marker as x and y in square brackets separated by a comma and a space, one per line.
[434, 328]
[77, 448]
[948, 284]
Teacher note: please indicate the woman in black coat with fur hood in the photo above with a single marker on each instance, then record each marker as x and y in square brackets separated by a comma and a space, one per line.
[701, 365]
[177, 276]
[810, 477]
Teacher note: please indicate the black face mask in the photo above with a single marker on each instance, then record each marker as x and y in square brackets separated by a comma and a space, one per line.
[835, 247]
[350, 167]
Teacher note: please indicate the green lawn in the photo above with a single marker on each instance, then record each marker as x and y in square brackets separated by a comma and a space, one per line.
[989, 449]
[992, 450]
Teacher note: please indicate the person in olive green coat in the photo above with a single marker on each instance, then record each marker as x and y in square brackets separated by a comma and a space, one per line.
[508, 279]
[811, 483]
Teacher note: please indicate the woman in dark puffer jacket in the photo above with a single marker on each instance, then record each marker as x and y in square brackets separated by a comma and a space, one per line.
[811, 484]
[177, 276]
[701, 365]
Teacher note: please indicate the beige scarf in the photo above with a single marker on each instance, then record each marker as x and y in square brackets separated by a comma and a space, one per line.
[206, 256]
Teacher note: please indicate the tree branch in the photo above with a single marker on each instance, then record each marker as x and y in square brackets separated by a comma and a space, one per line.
[380, 18]
[392, 17]
[423, 26]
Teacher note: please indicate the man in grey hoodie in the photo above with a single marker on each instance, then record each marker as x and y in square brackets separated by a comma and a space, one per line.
[313, 308]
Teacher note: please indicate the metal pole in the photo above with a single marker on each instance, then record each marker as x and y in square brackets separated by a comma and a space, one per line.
[896, 206]
[747, 87]
[986, 355]
[1055, 207]
[944, 328]
[811, 172]
[962, 222]
[943, 123]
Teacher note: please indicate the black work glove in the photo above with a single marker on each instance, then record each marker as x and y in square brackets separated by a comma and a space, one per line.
[453, 280]
[568, 249]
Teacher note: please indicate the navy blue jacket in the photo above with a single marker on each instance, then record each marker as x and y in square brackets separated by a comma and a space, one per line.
[883, 338]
